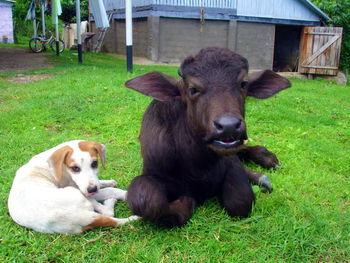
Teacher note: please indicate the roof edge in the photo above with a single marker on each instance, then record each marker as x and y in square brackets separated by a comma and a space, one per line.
[315, 8]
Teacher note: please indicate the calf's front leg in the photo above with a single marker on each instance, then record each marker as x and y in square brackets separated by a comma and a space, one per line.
[260, 155]
[237, 195]
[147, 197]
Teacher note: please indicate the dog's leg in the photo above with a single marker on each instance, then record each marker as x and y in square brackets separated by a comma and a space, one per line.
[109, 204]
[147, 198]
[110, 192]
[260, 155]
[100, 208]
[105, 221]
[259, 179]
[107, 183]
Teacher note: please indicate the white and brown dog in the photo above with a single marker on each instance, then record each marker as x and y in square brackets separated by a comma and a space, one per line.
[58, 191]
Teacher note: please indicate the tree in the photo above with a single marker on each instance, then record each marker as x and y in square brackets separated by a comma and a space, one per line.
[339, 12]
[68, 10]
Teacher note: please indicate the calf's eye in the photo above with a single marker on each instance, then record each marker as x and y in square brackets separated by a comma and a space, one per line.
[75, 169]
[244, 84]
[94, 164]
[193, 91]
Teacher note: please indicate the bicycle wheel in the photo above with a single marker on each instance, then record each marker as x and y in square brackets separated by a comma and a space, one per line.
[61, 46]
[36, 45]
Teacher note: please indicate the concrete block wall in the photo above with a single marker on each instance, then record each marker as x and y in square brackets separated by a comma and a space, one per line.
[6, 24]
[179, 38]
[256, 41]
[172, 39]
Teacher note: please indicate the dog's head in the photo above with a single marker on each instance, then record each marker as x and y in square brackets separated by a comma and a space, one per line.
[78, 160]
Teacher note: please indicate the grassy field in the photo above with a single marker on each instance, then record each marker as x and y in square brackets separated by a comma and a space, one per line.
[305, 219]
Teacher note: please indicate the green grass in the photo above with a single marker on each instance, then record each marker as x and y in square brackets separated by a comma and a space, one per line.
[305, 219]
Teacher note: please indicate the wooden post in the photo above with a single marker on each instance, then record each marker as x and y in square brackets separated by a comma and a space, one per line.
[128, 25]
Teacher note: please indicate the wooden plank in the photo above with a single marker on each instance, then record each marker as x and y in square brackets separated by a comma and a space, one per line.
[316, 54]
[319, 33]
[305, 48]
[320, 67]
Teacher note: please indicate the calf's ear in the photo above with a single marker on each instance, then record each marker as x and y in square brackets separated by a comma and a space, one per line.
[156, 85]
[264, 84]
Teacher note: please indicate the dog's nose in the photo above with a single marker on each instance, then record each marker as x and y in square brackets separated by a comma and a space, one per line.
[92, 189]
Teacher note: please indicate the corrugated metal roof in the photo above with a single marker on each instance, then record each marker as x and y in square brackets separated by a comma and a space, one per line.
[316, 9]
[302, 12]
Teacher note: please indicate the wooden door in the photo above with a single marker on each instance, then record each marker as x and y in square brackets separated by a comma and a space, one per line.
[320, 50]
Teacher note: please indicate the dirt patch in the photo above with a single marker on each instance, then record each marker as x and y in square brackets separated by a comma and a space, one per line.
[19, 59]
[29, 78]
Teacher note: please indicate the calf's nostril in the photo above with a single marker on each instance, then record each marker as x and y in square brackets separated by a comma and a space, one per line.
[92, 189]
[239, 124]
[218, 126]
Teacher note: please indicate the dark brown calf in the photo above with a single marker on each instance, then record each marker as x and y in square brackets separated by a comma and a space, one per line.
[191, 134]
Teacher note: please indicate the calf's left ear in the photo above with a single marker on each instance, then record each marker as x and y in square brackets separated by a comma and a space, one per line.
[156, 85]
[264, 84]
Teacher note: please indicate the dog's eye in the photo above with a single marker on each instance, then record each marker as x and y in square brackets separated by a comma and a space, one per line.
[193, 91]
[244, 84]
[94, 164]
[75, 169]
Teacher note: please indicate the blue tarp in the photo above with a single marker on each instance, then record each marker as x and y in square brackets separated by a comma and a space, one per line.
[31, 11]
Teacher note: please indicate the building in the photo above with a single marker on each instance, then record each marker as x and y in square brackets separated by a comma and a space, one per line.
[266, 32]
[6, 23]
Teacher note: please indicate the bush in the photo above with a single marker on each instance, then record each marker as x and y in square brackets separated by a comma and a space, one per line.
[339, 12]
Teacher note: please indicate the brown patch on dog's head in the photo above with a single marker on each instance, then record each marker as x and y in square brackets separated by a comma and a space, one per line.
[59, 158]
[94, 148]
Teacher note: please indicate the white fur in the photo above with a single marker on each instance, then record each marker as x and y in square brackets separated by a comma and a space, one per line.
[40, 202]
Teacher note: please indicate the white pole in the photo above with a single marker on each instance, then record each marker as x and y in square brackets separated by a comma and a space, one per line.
[57, 38]
[43, 17]
[34, 24]
[77, 7]
[128, 25]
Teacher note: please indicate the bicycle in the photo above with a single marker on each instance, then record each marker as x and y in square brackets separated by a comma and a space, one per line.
[38, 44]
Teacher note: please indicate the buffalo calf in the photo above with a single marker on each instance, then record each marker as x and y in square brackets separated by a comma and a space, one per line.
[192, 138]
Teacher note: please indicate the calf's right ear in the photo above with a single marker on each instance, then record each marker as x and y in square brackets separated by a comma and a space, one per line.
[156, 85]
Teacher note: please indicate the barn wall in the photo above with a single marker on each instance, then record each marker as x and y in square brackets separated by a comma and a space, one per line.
[179, 38]
[114, 41]
[255, 41]
[172, 39]
[140, 37]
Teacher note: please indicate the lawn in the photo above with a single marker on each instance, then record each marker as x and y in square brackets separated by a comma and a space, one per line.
[305, 219]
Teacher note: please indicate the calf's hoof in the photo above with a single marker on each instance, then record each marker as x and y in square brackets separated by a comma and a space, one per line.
[265, 184]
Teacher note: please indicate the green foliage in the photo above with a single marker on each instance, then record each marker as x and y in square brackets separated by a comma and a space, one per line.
[68, 10]
[24, 28]
[305, 219]
[339, 12]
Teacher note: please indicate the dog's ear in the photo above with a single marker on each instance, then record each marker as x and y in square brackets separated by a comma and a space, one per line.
[58, 159]
[94, 148]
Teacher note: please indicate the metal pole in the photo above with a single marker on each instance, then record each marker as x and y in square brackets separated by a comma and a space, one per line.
[43, 17]
[34, 24]
[57, 38]
[128, 25]
[77, 7]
